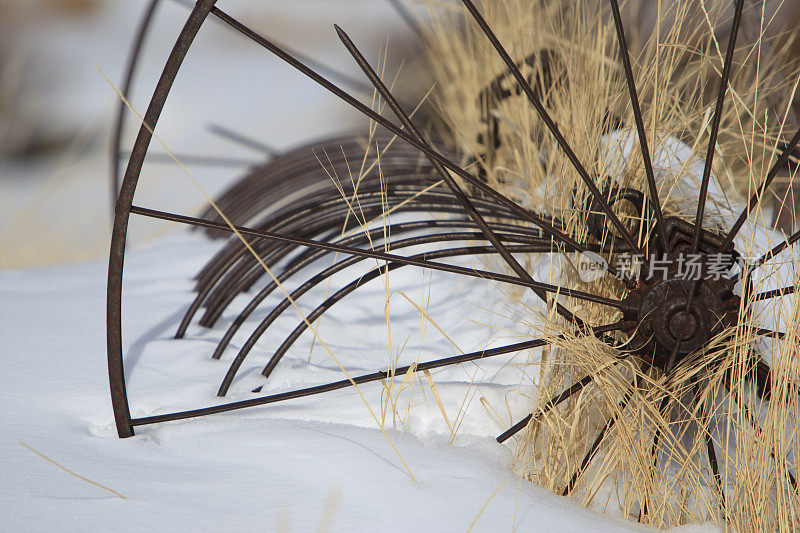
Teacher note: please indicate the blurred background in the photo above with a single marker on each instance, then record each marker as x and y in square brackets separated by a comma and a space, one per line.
[57, 111]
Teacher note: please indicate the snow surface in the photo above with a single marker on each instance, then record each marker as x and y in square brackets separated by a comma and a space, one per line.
[319, 463]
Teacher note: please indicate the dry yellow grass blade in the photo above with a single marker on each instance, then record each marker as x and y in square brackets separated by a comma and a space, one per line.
[654, 463]
[67, 470]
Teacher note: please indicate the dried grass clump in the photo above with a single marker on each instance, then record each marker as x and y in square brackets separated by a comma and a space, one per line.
[652, 463]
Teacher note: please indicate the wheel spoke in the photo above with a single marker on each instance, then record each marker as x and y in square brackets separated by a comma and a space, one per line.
[596, 444]
[413, 261]
[766, 295]
[556, 400]
[518, 269]
[637, 114]
[775, 251]
[712, 140]
[758, 195]
[319, 389]
[240, 139]
[551, 125]
[394, 129]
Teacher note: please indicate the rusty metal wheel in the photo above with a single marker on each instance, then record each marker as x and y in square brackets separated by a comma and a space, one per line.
[285, 219]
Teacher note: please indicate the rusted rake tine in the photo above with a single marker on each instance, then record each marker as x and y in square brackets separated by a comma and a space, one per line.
[712, 140]
[311, 255]
[328, 303]
[314, 255]
[276, 50]
[551, 125]
[637, 114]
[518, 269]
[436, 254]
[366, 378]
[237, 256]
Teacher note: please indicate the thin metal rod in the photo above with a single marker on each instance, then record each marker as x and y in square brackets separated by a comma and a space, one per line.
[327, 305]
[595, 445]
[518, 269]
[758, 195]
[453, 269]
[319, 389]
[557, 399]
[775, 251]
[766, 295]
[407, 17]
[712, 139]
[127, 81]
[116, 372]
[551, 125]
[238, 138]
[637, 114]
[371, 114]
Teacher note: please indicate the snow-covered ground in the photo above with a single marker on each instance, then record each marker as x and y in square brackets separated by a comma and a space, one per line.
[318, 463]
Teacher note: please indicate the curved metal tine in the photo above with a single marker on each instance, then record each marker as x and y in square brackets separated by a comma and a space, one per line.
[712, 139]
[518, 269]
[242, 140]
[125, 87]
[293, 268]
[766, 295]
[637, 114]
[437, 254]
[331, 72]
[388, 125]
[327, 304]
[311, 255]
[551, 125]
[211, 277]
[315, 206]
[212, 274]
[339, 295]
[235, 261]
[221, 278]
[759, 194]
[407, 17]
[320, 389]
[596, 444]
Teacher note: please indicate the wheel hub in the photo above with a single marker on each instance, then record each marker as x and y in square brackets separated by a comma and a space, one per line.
[679, 310]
